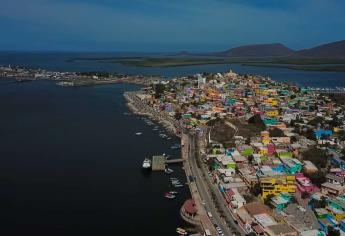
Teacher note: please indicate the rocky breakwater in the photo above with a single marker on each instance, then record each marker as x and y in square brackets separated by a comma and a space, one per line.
[140, 107]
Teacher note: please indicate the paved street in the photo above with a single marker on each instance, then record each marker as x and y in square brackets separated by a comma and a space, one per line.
[204, 188]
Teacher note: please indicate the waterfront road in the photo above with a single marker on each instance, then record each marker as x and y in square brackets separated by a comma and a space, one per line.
[206, 190]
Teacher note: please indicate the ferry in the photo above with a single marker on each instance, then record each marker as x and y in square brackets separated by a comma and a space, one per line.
[146, 163]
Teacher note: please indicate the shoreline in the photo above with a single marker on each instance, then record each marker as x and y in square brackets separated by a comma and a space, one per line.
[138, 107]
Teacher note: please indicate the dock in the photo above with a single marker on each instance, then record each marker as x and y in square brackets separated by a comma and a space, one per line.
[158, 163]
[172, 161]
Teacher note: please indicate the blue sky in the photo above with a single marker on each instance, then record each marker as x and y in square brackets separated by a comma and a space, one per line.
[167, 25]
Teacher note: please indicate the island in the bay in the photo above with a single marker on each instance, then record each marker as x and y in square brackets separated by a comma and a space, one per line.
[261, 157]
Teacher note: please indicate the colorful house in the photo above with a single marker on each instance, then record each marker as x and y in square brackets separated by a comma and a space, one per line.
[265, 137]
[245, 150]
[304, 184]
[271, 101]
[274, 185]
[271, 149]
[270, 121]
[272, 113]
[323, 133]
[281, 201]
[337, 208]
[282, 153]
[292, 165]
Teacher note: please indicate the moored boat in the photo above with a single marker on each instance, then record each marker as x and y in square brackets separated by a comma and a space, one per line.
[146, 163]
[169, 195]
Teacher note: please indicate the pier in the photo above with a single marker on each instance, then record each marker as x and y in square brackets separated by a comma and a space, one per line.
[174, 161]
[158, 163]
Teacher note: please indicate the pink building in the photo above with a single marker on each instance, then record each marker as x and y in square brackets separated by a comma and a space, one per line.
[271, 149]
[304, 184]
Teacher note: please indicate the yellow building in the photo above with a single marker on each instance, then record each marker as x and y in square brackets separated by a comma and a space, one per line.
[265, 137]
[263, 151]
[260, 91]
[272, 92]
[273, 185]
[272, 113]
[271, 101]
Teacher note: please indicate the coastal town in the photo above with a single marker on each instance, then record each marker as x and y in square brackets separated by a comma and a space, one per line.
[73, 79]
[261, 157]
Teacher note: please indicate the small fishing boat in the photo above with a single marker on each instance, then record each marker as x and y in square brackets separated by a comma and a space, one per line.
[168, 171]
[138, 133]
[169, 195]
[181, 231]
[173, 192]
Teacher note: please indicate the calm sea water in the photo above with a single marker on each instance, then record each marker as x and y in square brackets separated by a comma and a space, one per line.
[71, 164]
[59, 62]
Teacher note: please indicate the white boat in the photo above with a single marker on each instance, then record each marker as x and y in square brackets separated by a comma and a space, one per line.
[169, 195]
[146, 163]
[138, 133]
[168, 171]
[181, 231]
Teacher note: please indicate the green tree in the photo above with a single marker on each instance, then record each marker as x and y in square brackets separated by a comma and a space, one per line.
[305, 195]
[331, 231]
[317, 178]
[256, 189]
[268, 199]
[275, 132]
[256, 120]
[317, 156]
[159, 90]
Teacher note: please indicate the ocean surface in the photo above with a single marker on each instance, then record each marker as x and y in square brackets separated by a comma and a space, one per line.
[71, 164]
[60, 62]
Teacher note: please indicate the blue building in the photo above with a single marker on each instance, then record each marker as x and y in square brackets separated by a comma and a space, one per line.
[321, 132]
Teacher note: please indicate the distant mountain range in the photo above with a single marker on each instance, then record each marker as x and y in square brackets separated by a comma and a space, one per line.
[329, 50]
[257, 50]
